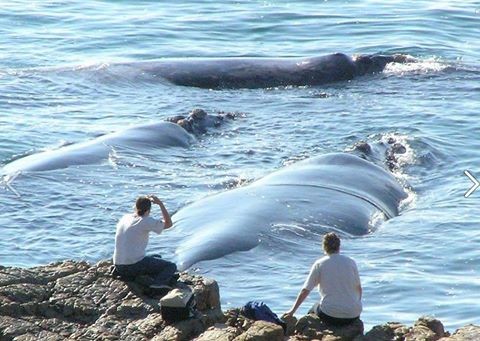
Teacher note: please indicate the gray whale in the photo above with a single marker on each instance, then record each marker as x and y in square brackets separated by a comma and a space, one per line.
[178, 131]
[265, 72]
[339, 192]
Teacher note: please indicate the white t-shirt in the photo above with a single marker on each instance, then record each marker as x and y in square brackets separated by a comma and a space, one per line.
[131, 238]
[338, 280]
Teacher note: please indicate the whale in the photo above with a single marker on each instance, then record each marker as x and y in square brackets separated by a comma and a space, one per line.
[338, 192]
[177, 131]
[237, 73]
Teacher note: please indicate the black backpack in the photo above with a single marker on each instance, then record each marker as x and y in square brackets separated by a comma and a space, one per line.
[178, 305]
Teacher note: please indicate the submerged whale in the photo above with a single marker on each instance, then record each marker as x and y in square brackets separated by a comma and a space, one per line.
[265, 72]
[178, 131]
[340, 192]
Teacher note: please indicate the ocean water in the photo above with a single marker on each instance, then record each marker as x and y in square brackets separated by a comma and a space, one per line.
[58, 85]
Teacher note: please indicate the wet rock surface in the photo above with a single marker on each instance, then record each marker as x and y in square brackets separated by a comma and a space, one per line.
[79, 301]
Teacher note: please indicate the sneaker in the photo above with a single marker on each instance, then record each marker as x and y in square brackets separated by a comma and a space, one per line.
[160, 286]
[159, 290]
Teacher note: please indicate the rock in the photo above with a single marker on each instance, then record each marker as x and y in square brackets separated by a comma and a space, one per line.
[17, 328]
[425, 329]
[207, 293]
[234, 318]
[386, 332]
[170, 333]
[151, 325]
[469, 332]
[262, 331]
[420, 333]
[291, 322]
[220, 332]
[136, 307]
[212, 316]
[41, 274]
[433, 324]
[312, 326]
[24, 293]
[309, 325]
[190, 328]
[180, 331]
[78, 301]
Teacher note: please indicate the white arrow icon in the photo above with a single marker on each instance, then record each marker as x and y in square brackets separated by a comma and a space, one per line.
[476, 184]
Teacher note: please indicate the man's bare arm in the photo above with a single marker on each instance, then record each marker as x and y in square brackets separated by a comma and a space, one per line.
[302, 295]
[167, 221]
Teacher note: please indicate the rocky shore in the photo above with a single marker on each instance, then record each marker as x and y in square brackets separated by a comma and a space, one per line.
[79, 301]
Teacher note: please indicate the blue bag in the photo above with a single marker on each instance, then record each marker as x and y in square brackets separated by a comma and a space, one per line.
[258, 310]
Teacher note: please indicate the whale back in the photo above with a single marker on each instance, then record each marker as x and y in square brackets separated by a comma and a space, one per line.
[345, 173]
[151, 135]
[225, 73]
[158, 134]
[71, 155]
[338, 192]
[253, 72]
[329, 68]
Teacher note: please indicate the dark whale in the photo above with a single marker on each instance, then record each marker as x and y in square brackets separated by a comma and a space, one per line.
[179, 131]
[265, 72]
[339, 192]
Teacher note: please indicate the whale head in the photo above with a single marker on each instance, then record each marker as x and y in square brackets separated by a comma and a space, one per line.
[198, 121]
[371, 64]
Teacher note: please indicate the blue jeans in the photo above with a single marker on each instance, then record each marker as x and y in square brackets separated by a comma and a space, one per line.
[161, 270]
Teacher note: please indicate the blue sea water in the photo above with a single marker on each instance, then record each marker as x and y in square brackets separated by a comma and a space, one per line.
[58, 86]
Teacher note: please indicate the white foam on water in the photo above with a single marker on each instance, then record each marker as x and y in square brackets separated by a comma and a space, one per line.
[92, 65]
[409, 201]
[420, 66]
[113, 158]
[376, 221]
[407, 158]
[403, 161]
[7, 182]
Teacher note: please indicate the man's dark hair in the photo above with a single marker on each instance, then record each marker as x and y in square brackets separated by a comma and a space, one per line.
[331, 243]
[142, 205]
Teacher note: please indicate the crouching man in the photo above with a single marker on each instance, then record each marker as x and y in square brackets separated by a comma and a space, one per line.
[131, 240]
[339, 284]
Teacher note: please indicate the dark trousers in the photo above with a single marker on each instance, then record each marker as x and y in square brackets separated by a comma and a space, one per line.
[333, 321]
[161, 270]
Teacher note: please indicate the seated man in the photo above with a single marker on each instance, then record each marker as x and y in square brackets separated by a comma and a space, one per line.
[131, 240]
[339, 285]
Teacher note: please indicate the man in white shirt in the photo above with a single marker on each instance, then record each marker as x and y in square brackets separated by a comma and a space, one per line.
[131, 239]
[339, 285]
